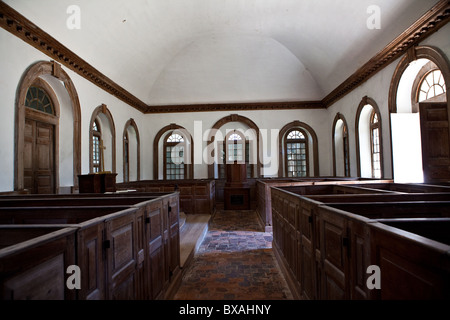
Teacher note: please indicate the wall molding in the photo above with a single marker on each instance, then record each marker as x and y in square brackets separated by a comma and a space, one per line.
[429, 23]
[15, 23]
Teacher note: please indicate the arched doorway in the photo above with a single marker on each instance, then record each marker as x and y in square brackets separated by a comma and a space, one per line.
[46, 97]
[418, 103]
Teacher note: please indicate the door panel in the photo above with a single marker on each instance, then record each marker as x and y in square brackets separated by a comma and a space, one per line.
[434, 127]
[38, 157]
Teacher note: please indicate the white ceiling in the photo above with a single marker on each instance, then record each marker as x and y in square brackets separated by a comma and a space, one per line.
[217, 51]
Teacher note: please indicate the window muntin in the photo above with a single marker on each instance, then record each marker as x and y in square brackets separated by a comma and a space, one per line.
[346, 151]
[375, 145]
[175, 167]
[235, 149]
[38, 99]
[432, 85]
[296, 154]
[96, 145]
[126, 157]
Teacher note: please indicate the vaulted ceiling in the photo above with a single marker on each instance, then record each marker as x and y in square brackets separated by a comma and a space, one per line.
[224, 51]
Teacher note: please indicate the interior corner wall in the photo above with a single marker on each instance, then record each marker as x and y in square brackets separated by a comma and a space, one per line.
[377, 88]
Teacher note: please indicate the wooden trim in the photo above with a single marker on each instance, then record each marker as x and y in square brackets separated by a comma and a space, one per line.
[32, 76]
[276, 105]
[132, 123]
[315, 145]
[365, 101]
[172, 127]
[103, 109]
[422, 52]
[234, 118]
[340, 116]
[426, 25]
[15, 23]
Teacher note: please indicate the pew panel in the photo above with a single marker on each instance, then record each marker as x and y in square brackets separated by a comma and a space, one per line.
[34, 267]
[412, 267]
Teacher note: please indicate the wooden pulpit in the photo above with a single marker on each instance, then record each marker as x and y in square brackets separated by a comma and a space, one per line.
[236, 190]
[97, 182]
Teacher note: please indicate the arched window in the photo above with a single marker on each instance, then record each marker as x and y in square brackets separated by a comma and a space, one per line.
[174, 160]
[431, 85]
[341, 153]
[102, 141]
[375, 145]
[236, 149]
[296, 160]
[96, 147]
[369, 143]
[39, 100]
[131, 152]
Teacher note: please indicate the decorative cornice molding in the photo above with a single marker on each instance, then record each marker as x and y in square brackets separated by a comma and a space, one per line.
[236, 106]
[18, 25]
[426, 25]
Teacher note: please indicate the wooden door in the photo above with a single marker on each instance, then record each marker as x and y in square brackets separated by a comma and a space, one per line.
[39, 159]
[435, 141]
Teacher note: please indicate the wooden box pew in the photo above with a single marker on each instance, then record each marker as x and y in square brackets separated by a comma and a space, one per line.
[124, 252]
[314, 260]
[401, 209]
[413, 256]
[304, 186]
[380, 197]
[346, 243]
[324, 250]
[407, 187]
[74, 201]
[34, 262]
[196, 196]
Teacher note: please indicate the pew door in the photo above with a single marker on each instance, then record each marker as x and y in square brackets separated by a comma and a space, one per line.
[122, 256]
[155, 248]
[435, 133]
[334, 250]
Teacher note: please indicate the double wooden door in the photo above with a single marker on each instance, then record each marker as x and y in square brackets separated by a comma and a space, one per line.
[39, 157]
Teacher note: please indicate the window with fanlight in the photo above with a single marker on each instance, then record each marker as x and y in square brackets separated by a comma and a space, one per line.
[296, 159]
[235, 149]
[38, 99]
[174, 160]
[431, 85]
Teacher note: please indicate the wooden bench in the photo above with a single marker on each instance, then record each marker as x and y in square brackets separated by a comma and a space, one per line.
[124, 251]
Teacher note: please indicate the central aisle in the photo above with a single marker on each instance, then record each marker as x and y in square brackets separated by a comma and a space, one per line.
[234, 262]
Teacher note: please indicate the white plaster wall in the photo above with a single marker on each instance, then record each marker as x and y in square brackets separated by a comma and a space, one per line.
[377, 88]
[16, 56]
[198, 125]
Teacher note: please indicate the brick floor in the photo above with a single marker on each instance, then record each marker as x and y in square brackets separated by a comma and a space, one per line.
[234, 261]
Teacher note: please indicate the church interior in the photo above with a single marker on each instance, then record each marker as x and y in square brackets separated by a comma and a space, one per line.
[225, 150]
